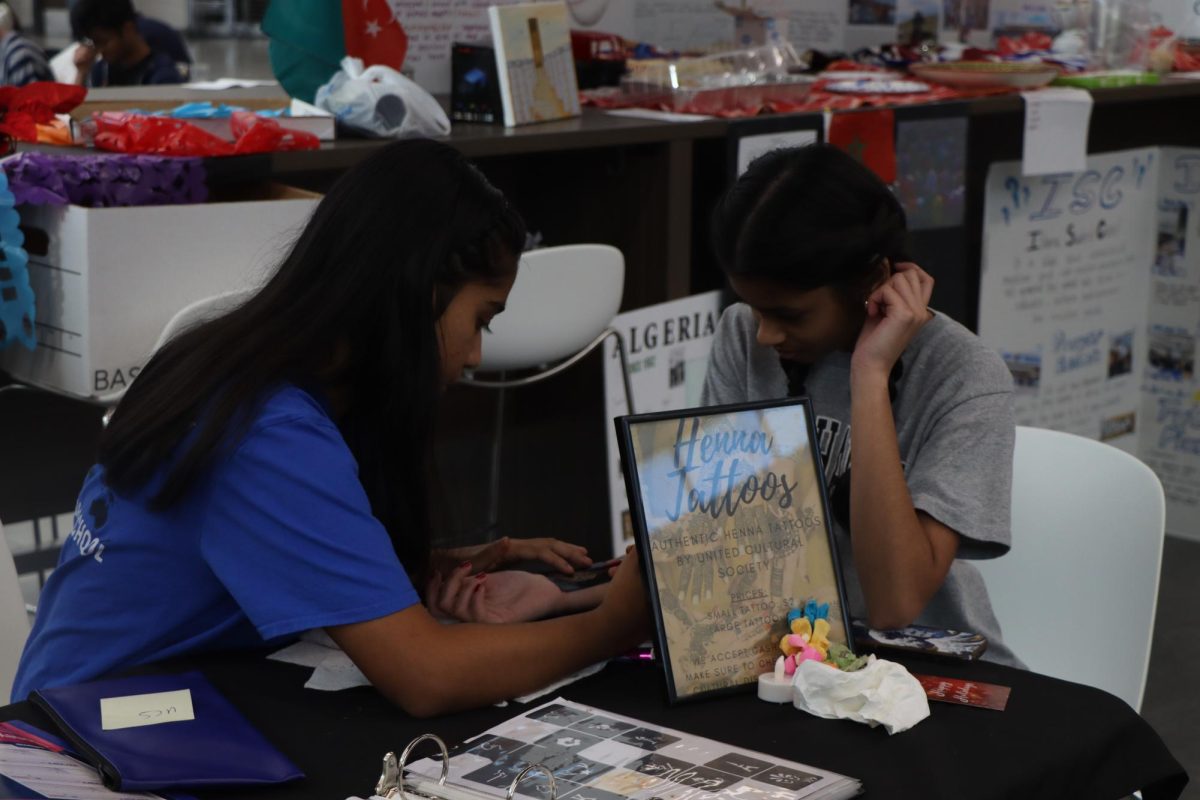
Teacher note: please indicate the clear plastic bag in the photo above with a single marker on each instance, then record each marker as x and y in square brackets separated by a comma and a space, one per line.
[380, 101]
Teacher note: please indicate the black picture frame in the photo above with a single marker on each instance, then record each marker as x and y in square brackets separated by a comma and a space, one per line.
[729, 557]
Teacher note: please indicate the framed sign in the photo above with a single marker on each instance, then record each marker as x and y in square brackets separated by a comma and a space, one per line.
[730, 515]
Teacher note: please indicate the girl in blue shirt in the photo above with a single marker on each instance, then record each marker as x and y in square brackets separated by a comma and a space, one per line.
[267, 472]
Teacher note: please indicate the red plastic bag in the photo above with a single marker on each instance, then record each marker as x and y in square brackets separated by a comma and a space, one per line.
[138, 133]
[22, 108]
[255, 134]
[122, 132]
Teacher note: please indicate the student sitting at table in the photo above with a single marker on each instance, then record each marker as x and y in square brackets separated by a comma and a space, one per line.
[813, 243]
[110, 29]
[267, 473]
[21, 61]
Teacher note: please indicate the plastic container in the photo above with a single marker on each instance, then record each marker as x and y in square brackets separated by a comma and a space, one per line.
[738, 79]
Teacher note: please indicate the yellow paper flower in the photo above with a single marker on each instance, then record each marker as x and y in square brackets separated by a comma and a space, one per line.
[820, 636]
[801, 627]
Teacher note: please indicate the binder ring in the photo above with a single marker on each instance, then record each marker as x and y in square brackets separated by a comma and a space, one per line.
[512, 787]
[391, 781]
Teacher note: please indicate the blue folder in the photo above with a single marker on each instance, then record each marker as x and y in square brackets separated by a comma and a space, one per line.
[218, 748]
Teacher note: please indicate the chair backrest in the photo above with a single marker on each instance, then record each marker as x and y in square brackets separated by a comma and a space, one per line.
[202, 310]
[1076, 595]
[563, 298]
[189, 316]
[14, 622]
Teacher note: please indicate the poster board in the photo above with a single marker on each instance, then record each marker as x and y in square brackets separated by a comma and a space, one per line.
[1090, 290]
[666, 347]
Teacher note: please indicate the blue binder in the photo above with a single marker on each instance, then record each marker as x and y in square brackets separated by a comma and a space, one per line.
[218, 748]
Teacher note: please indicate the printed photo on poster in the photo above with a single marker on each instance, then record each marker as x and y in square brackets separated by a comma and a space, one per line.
[1172, 355]
[1118, 426]
[1171, 250]
[965, 15]
[730, 517]
[1120, 354]
[1026, 369]
[931, 171]
[917, 21]
[872, 12]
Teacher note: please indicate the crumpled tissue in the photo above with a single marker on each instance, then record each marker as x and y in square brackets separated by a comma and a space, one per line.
[881, 693]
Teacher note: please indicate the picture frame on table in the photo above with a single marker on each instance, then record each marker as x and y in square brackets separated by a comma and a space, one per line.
[731, 519]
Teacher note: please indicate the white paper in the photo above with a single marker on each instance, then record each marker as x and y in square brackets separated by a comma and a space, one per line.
[1090, 291]
[656, 115]
[751, 147]
[1056, 130]
[139, 710]
[303, 654]
[57, 775]
[221, 84]
[628, 758]
[667, 348]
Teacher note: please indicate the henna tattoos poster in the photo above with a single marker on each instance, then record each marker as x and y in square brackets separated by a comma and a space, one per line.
[730, 517]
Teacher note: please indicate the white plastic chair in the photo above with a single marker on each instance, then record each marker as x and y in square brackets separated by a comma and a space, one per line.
[560, 309]
[14, 621]
[188, 317]
[1077, 594]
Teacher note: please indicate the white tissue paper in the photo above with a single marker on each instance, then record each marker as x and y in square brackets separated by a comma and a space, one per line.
[881, 693]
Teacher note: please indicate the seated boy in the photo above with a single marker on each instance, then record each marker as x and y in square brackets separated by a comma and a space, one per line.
[126, 58]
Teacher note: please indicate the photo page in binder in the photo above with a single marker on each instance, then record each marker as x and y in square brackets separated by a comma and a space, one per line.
[597, 755]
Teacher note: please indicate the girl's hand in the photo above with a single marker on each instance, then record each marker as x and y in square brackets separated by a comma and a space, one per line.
[895, 312]
[625, 611]
[562, 556]
[496, 597]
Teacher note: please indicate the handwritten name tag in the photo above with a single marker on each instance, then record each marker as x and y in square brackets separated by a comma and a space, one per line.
[135, 710]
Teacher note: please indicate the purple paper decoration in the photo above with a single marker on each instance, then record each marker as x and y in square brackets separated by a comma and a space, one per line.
[105, 180]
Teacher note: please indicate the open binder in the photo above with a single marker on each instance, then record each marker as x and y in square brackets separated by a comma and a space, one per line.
[392, 782]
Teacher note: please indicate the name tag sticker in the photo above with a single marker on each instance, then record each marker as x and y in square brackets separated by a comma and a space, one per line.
[136, 710]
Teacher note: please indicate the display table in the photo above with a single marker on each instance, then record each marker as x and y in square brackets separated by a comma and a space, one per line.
[1055, 740]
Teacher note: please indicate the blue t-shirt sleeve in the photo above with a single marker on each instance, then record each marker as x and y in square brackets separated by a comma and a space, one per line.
[289, 532]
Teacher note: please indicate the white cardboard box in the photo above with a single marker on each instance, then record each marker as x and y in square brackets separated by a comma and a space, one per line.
[106, 280]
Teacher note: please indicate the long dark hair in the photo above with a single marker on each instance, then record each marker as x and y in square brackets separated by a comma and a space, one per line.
[353, 305]
[808, 217]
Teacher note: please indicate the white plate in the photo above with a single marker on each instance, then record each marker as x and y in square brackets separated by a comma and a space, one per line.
[874, 86]
[857, 75]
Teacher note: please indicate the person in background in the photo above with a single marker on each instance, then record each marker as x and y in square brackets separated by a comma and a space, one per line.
[21, 61]
[111, 30]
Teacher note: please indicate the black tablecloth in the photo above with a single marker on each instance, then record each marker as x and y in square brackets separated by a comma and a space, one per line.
[1055, 739]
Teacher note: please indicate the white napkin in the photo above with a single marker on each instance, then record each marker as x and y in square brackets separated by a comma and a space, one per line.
[881, 693]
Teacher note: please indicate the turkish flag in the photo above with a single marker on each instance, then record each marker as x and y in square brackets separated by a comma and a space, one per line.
[869, 136]
[373, 33]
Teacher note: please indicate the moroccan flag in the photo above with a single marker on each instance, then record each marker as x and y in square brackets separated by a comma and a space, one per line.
[373, 33]
[870, 137]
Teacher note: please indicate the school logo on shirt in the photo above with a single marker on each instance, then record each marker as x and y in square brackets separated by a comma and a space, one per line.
[85, 528]
[833, 440]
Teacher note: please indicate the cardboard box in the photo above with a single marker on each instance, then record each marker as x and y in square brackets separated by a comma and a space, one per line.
[304, 116]
[106, 280]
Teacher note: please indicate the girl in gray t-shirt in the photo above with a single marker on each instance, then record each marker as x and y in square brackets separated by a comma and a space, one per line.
[814, 243]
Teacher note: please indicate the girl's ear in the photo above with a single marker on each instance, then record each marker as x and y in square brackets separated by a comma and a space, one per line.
[883, 270]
